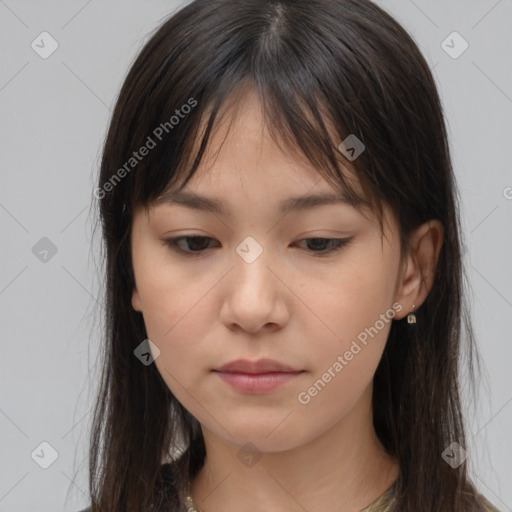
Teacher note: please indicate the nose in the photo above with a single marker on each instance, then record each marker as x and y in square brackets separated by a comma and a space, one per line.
[255, 295]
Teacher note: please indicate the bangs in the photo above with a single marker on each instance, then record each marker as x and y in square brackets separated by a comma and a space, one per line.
[299, 127]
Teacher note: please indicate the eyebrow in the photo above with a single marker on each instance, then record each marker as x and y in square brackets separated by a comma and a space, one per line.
[208, 204]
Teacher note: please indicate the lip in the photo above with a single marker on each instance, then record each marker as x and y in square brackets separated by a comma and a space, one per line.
[256, 367]
[256, 377]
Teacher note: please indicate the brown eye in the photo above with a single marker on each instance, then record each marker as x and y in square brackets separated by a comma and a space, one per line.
[193, 244]
[325, 245]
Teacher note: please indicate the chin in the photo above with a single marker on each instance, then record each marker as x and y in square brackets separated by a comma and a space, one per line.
[263, 436]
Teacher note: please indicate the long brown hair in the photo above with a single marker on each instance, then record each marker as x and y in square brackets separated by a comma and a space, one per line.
[314, 63]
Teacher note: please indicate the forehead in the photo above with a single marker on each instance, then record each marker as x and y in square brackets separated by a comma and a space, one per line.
[245, 122]
[243, 153]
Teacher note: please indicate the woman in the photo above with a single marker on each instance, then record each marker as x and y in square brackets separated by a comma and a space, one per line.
[306, 356]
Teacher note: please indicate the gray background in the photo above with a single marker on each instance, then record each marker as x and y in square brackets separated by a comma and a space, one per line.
[55, 113]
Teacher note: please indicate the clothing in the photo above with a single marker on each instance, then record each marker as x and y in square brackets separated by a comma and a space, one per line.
[384, 502]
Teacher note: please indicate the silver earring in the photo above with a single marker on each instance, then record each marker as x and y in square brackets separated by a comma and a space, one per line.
[411, 317]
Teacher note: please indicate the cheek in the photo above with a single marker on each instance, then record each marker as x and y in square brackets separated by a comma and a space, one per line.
[173, 324]
[168, 293]
[171, 315]
[355, 308]
[178, 319]
[343, 366]
[349, 298]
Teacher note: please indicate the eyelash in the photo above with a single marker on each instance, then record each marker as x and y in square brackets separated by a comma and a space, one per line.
[172, 243]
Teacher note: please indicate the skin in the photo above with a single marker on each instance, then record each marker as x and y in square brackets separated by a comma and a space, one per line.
[290, 305]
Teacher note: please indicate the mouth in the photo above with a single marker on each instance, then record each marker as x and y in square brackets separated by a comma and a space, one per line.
[256, 367]
[256, 377]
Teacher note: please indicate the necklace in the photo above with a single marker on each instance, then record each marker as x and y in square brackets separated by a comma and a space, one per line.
[191, 506]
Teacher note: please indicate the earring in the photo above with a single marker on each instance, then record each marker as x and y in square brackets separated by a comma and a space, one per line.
[411, 317]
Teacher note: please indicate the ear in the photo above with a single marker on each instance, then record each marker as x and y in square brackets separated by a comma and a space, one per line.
[136, 302]
[418, 270]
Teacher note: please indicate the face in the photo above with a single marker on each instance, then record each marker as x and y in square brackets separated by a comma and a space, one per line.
[314, 289]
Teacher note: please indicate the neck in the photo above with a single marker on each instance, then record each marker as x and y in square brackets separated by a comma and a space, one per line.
[344, 469]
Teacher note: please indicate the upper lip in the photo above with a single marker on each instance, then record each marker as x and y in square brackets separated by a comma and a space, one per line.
[255, 367]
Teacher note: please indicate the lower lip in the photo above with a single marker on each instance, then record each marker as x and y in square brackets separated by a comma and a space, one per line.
[257, 383]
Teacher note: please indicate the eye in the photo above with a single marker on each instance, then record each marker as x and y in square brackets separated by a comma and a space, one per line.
[195, 245]
[319, 244]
